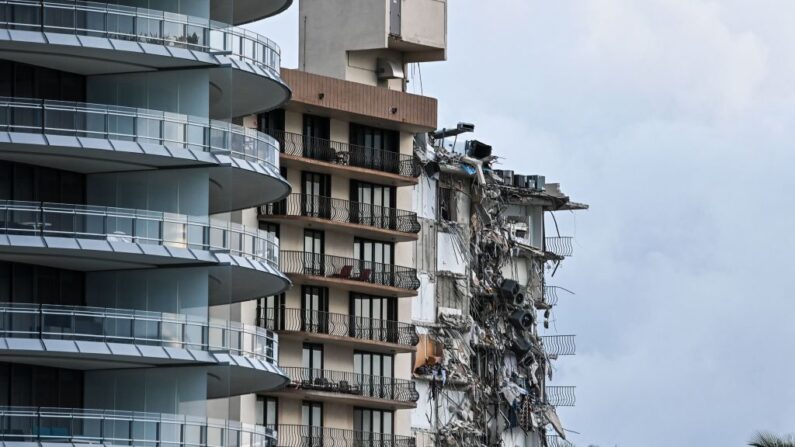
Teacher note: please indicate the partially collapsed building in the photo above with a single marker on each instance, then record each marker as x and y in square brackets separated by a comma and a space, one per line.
[482, 366]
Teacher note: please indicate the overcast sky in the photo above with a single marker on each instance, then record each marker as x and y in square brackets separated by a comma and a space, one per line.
[675, 121]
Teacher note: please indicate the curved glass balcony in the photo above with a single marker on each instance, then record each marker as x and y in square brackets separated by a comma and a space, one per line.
[173, 130]
[83, 323]
[142, 227]
[246, 11]
[141, 25]
[109, 427]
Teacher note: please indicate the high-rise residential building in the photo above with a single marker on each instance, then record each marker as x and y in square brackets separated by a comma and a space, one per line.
[348, 230]
[125, 271]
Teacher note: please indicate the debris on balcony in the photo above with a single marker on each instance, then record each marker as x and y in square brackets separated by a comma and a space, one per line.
[483, 356]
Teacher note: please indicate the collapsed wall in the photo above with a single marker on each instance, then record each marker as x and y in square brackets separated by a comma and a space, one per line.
[481, 365]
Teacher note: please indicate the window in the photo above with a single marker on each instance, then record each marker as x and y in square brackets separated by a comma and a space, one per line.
[316, 134]
[314, 309]
[270, 227]
[314, 247]
[40, 386]
[375, 260]
[313, 356]
[27, 283]
[372, 204]
[374, 317]
[446, 208]
[269, 121]
[267, 411]
[312, 424]
[376, 426]
[312, 362]
[39, 184]
[374, 148]
[278, 208]
[28, 81]
[315, 192]
[271, 312]
[374, 373]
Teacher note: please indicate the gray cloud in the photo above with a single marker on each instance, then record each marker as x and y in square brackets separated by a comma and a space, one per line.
[673, 119]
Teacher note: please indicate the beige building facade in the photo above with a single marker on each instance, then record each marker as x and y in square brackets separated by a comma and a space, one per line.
[347, 232]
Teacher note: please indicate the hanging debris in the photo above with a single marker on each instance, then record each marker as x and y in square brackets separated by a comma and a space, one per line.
[483, 359]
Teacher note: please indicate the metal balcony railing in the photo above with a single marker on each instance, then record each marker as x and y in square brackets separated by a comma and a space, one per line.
[560, 396]
[137, 226]
[338, 210]
[559, 344]
[342, 325]
[108, 427]
[557, 441]
[108, 122]
[143, 25]
[559, 245]
[315, 264]
[311, 436]
[349, 383]
[346, 154]
[551, 295]
[84, 323]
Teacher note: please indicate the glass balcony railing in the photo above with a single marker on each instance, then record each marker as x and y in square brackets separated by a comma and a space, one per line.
[142, 25]
[109, 427]
[137, 226]
[341, 325]
[336, 267]
[312, 436]
[83, 323]
[85, 120]
[348, 383]
[345, 211]
[346, 154]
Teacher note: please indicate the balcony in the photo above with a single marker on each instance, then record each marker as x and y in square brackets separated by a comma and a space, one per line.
[57, 335]
[355, 275]
[361, 219]
[359, 162]
[351, 388]
[94, 138]
[108, 427]
[103, 38]
[559, 246]
[91, 238]
[560, 396]
[247, 11]
[557, 441]
[310, 436]
[360, 332]
[557, 345]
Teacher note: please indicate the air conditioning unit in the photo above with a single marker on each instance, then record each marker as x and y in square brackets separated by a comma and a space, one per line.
[520, 181]
[537, 182]
[477, 149]
[386, 69]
